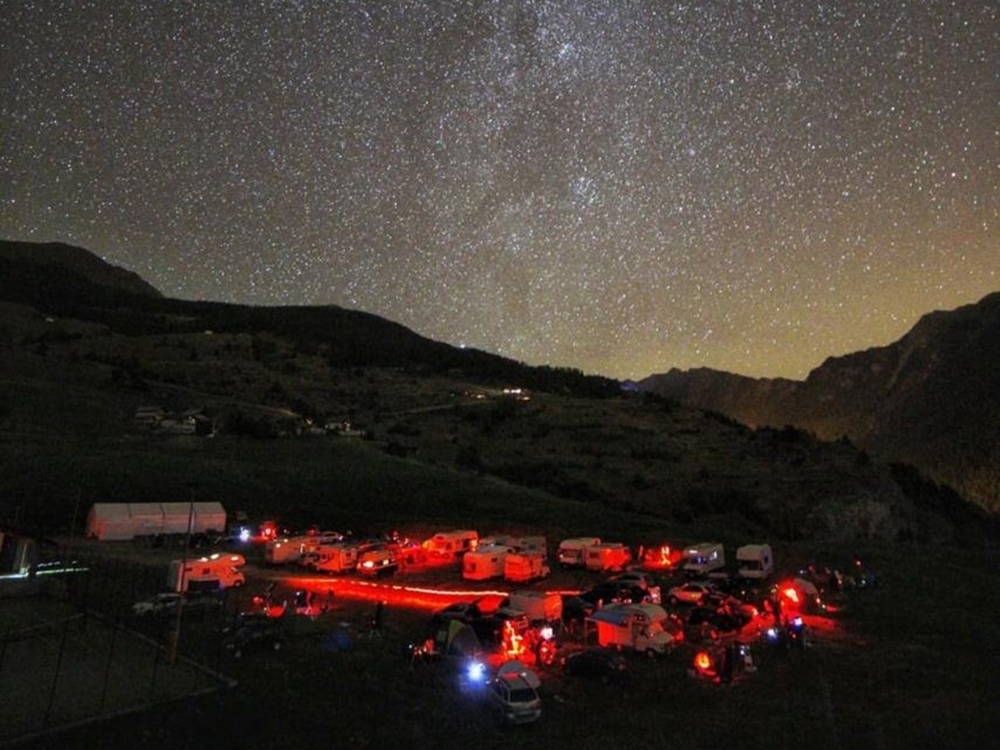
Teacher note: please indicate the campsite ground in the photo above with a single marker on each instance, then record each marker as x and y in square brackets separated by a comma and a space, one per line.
[907, 664]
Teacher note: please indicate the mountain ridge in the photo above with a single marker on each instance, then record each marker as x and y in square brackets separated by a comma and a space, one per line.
[931, 398]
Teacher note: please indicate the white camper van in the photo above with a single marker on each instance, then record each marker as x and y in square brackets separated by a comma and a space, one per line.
[571, 551]
[218, 571]
[634, 626]
[703, 559]
[755, 562]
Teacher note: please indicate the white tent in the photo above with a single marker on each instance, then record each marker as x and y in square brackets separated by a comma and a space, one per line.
[116, 521]
[110, 521]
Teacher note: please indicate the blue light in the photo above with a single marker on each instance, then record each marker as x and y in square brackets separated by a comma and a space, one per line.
[476, 671]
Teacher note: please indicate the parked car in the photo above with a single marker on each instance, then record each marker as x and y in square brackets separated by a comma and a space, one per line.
[513, 695]
[634, 578]
[614, 592]
[689, 593]
[254, 630]
[596, 662]
[730, 605]
[156, 604]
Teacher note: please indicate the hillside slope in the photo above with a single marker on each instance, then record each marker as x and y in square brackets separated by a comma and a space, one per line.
[443, 440]
[931, 399]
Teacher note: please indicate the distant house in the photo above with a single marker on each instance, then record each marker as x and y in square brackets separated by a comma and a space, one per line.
[344, 429]
[149, 417]
[187, 422]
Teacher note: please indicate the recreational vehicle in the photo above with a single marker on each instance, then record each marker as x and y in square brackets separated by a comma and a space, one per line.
[755, 562]
[703, 559]
[607, 556]
[571, 551]
[451, 544]
[521, 567]
[218, 571]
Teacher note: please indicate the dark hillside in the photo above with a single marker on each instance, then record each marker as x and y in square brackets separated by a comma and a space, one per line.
[73, 283]
[931, 399]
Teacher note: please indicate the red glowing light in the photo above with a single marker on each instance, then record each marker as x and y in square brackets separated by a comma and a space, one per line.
[791, 594]
[703, 661]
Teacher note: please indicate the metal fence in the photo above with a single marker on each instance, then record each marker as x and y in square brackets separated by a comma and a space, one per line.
[73, 652]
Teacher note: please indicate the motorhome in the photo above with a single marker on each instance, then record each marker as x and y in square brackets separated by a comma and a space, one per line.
[755, 562]
[521, 567]
[607, 556]
[571, 551]
[636, 626]
[451, 544]
[334, 558]
[218, 571]
[704, 559]
[485, 563]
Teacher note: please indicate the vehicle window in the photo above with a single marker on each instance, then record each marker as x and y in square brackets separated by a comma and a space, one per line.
[522, 695]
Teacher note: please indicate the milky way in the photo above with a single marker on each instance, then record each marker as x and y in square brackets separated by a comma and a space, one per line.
[621, 186]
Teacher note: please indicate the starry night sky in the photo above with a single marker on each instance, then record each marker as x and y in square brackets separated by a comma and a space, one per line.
[621, 186]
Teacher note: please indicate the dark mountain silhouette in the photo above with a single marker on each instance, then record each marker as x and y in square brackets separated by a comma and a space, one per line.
[72, 282]
[31, 272]
[931, 399]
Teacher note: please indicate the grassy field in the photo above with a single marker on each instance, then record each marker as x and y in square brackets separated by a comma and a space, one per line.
[908, 664]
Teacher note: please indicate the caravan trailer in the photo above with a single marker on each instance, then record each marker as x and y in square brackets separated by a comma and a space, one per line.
[334, 558]
[284, 550]
[571, 551]
[521, 567]
[451, 544]
[607, 556]
[485, 562]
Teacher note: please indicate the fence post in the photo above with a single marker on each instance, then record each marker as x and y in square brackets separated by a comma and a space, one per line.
[156, 663]
[3, 648]
[111, 658]
[55, 678]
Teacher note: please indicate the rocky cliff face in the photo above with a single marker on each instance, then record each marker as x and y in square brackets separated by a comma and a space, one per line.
[931, 399]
